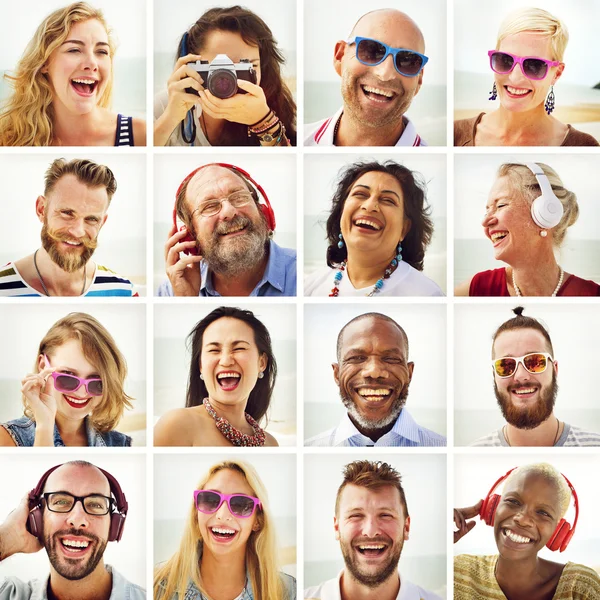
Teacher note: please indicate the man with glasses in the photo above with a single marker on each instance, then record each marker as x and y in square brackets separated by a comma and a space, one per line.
[381, 66]
[525, 374]
[225, 246]
[72, 513]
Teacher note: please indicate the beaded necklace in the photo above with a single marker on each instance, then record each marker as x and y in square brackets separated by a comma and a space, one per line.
[337, 278]
[234, 435]
[558, 285]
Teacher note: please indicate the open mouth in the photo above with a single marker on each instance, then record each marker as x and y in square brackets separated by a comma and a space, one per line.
[517, 92]
[76, 402]
[83, 86]
[498, 236]
[228, 380]
[377, 94]
[222, 534]
[516, 538]
[371, 550]
[233, 230]
[367, 225]
[74, 547]
[524, 392]
[374, 394]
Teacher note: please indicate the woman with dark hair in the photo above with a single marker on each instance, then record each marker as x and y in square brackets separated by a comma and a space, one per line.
[378, 229]
[232, 376]
[261, 113]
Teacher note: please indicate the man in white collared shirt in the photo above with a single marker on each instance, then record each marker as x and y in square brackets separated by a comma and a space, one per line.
[371, 523]
[381, 66]
[374, 374]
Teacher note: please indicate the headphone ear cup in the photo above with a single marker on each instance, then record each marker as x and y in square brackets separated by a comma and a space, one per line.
[561, 536]
[193, 251]
[547, 211]
[488, 510]
[269, 215]
[117, 524]
[35, 523]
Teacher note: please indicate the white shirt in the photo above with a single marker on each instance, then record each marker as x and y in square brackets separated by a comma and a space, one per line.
[321, 132]
[404, 281]
[330, 590]
[161, 100]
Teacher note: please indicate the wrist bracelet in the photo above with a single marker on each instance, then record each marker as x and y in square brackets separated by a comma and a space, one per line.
[266, 128]
[263, 119]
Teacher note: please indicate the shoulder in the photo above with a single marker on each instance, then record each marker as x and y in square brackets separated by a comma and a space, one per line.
[581, 582]
[270, 440]
[175, 427]
[116, 439]
[463, 289]
[575, 137]
[464, 130]
[322, 439]
[472, 571]
[576, 286]
[431, 438]
[328, 590]
[123, 588]
[582, 437]
[314, 132]
[160, 103]
[12, 588]
[289, 583]
[289, 254]
[165, 289]
[492, 439]
[411, 590]
[109, 283]
[313, 282]
[139, 131]
[412, 283]
[11, 282]
[489, 283]
[18, 432]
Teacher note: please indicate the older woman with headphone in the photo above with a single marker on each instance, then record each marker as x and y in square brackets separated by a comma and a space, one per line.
[528, 515]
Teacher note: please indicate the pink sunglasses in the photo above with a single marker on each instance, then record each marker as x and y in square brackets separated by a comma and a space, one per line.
[533, 67]
[71, 383]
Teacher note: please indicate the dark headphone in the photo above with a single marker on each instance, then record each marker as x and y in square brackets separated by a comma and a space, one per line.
[546, 210]
[35, 521]
[266, 208]
[562, 534]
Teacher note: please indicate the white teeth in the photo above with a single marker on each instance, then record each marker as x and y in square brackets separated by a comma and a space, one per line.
[372, 547]
[233, 230]
[373, 392]
[88, 81]
[222, 530]
[516, 92]
[516, 538]
[373, 90]
[77, 400]
[73, 243]
[524, 391]
[228, 374]
[497, 235]
[368, 223]
[75, 544]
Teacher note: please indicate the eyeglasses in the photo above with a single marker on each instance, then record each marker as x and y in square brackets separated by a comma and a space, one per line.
[373, 52]
[535, 363]
[239, 505]
[71, 383]
[213, 207]
[533, 67]
[63, 502]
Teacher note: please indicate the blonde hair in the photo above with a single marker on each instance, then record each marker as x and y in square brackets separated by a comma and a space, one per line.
[539, 21]
[526, 185]
[550, 473]
[26, 118]
[100, 349]
[174, 576]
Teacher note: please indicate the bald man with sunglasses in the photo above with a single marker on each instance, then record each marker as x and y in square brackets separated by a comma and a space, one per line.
[525, 383]
[381, 65]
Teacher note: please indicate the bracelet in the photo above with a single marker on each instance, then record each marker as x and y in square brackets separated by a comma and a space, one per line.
[263, 119]
[268, 138]
[282, 136]
[272, 122]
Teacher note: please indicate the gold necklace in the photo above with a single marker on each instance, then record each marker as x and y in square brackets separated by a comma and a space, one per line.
[555, 437]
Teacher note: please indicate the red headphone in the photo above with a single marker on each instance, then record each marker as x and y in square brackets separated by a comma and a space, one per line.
[35, 521]
[562, 534]
[266, 208]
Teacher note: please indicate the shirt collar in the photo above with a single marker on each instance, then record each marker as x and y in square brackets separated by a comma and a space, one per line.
[404, 426]
[332, 589]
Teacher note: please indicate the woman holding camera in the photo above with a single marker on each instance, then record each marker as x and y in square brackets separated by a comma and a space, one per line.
[196, 110]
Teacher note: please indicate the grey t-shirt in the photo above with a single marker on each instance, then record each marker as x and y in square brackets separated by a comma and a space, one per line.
[571, 436]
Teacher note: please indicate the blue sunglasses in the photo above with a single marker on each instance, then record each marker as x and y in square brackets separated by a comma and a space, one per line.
[373, 52]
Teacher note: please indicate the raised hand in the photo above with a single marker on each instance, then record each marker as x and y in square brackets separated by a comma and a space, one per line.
[183, 272]
[460, 520]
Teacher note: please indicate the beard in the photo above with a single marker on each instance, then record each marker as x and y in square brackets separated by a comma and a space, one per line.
[73, 569]
[69, 261]
[370, 424]
[239, 255]
[369, 578]
[530, 417]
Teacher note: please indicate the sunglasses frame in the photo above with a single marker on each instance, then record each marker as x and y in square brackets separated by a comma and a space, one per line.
[388, 50]
[521, 360]
[520, 60]
[226, 498]
[55, 375]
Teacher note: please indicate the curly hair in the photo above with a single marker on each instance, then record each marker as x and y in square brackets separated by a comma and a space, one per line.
[26, 117]
[416, 209]
[255, 32]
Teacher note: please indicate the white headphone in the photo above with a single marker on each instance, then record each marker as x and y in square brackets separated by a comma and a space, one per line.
[546, 210]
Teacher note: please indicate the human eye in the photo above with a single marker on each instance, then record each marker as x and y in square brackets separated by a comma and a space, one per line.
[103, 51]
[390, 201]
[73, 50]
[512, 501]
[93, 220]
[66, 213]
[395, 360]
[355, 358]
[210, 208]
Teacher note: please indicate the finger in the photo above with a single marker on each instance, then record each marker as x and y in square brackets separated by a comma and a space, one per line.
[471, 511]
[182, 60]
[173, 256]
[181, 85]
[251, 88]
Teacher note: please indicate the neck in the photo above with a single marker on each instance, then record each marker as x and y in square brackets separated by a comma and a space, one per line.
[96, 586]
[544, 434]
[242, 284]
[57, 281]
[373, 434]
[72, 431]
[354, 590]
[213, 128]
[69, 129]
[234, 413]
[355, 133]
[364, 269]
[518, 574]
[514, 127]
[536, 278]
[223, 577]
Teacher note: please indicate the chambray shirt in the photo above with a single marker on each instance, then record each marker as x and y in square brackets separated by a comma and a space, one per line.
[12, 588]
[405, 432]
[22, 431]
[279, 278]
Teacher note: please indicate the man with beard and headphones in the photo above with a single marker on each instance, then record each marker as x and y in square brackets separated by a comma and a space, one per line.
[525, 374]
[373, 374]
[73, 512]
[222, 244]
[73, 210]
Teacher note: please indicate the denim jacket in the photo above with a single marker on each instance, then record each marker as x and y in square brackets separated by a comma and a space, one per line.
[12, 588]
[22, 431]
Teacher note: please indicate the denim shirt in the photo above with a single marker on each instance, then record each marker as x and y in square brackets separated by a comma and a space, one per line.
[12, 588]
[22, 431]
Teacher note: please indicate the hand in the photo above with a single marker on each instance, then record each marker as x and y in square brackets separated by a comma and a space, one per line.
[460, 519]
[241, 108]
[37, 389]
[183, 273]
[183, 76]
[14, 536]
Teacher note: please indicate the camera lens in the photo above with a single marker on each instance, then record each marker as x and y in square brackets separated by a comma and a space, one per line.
[222, 83]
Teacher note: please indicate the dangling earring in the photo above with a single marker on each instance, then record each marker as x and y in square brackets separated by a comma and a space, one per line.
[543, 233]
[341, 242]
[493, 93]
[549, 104]
[398, 258]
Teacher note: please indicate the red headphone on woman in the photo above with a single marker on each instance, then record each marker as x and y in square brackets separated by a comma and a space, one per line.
[266, 208]
[35, 521]
[562, 534]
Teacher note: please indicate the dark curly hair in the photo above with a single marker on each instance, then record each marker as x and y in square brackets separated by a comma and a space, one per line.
[260, 396]
[254, 32]
[416, 209]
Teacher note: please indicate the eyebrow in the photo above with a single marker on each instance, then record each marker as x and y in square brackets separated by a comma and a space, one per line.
[232, 343]
[80, 43]
[379, 508]
[382, 191]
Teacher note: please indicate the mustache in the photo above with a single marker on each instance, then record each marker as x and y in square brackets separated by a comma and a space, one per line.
[238, 221]
[394, 85]
[76, 533]
[86, 241]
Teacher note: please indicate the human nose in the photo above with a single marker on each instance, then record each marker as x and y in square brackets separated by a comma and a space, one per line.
[77, 517]
[89, 61]
[371, 203]
[488, 219]
[223, 511]
[227, 209]
[370, 526]
[226, 357]
[77, 228]
[520, 371]
[386, 70]
[374, 369]
[523, 518]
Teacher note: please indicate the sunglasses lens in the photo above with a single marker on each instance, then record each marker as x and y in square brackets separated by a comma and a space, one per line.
[95, 387]
[408, 63]
[535, 363]
[241, 506]
[66, 383]
[502, 63]
[535, 68]
[370, 52]
[208, 502]
[505, 367]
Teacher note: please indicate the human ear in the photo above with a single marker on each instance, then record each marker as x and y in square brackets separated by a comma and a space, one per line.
[40, 207]
[336, 371]
[406, 527]
[338, 55]
[336, 527]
